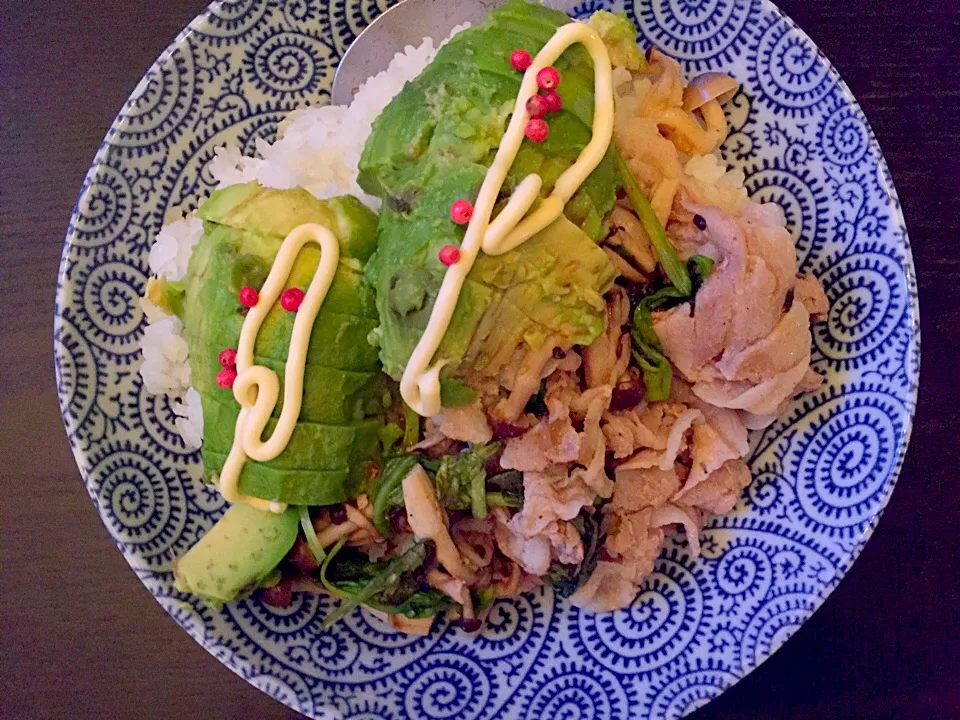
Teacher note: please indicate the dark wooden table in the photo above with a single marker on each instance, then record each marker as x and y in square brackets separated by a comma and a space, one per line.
[81, 638]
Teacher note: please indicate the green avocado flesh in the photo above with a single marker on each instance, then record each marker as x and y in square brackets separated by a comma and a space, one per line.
[311, 446]
[432, 145]
[345, 394]
[237, 553]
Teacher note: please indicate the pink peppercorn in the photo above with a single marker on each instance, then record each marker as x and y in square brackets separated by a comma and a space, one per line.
[537, 130]
[461, 211]
[521, 60]
[227, 358]
[249, 297]
[536, 107]
[291, 298]
[553, 101]
[548, 78]
[226, 377]
[449, 255]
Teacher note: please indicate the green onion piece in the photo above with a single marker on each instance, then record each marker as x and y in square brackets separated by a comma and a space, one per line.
[648, 352]
[661, 297]
[478, 495]
[313, 542]
[672, 267]
[499, 499]
[411, 431]
[331, 588]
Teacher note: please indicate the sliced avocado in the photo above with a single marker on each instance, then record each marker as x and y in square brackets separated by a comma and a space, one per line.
[338, 341]
[336, 397]
[323, 447]
[268, 211]
[337, 433]
[296, 487]
[431, 146]
[243, 547]
[243, 258]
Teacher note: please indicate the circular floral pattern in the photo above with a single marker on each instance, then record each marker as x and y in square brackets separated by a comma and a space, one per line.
[822, 473]
[868, 305]
[802, 200]
[231, 21]
[447, 686]
[704, 33]
[104, 210]
[789, 72]
[76, 373]
[284, 63]
[514, 627]
[158, 111]
[691, 689]
[141, 502]
[110, 295]
[845, 137]
[841, 464]
[571, 693]
[656, 628]
[773, 624]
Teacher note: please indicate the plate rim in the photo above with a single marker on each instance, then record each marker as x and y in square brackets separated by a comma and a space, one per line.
[912, 356]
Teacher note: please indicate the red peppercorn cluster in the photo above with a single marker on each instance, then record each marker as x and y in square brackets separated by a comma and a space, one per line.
[228, 360]
[547, 100]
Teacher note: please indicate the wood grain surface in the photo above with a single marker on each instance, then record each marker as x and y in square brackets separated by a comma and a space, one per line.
[81, 638]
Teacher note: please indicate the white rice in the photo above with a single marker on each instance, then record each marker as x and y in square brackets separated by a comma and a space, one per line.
[171, 250]
[318, 149]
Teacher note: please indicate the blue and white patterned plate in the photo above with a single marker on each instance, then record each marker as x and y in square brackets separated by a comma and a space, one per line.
[822, 474]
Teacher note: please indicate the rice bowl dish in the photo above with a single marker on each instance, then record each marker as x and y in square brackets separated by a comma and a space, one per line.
[570, 444]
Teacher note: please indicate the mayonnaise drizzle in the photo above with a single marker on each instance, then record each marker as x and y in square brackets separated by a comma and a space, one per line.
[420, 384]
[257, 388]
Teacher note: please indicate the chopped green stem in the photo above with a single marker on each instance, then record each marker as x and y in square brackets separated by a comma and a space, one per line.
[411, 431]
[673, 268]
[478, 495]
[499, 499]
[313, 542]
[331, 588]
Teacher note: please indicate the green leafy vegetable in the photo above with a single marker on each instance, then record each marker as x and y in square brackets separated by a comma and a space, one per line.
[462, 479]
[388, 490]
[390, 436]
[647, 348]
[648, 352]
[483, 598]
[382, 578]
[455, 393]
[499, 499]
[566, 579]
[666, 255]
[313, 542]
[700, 266]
